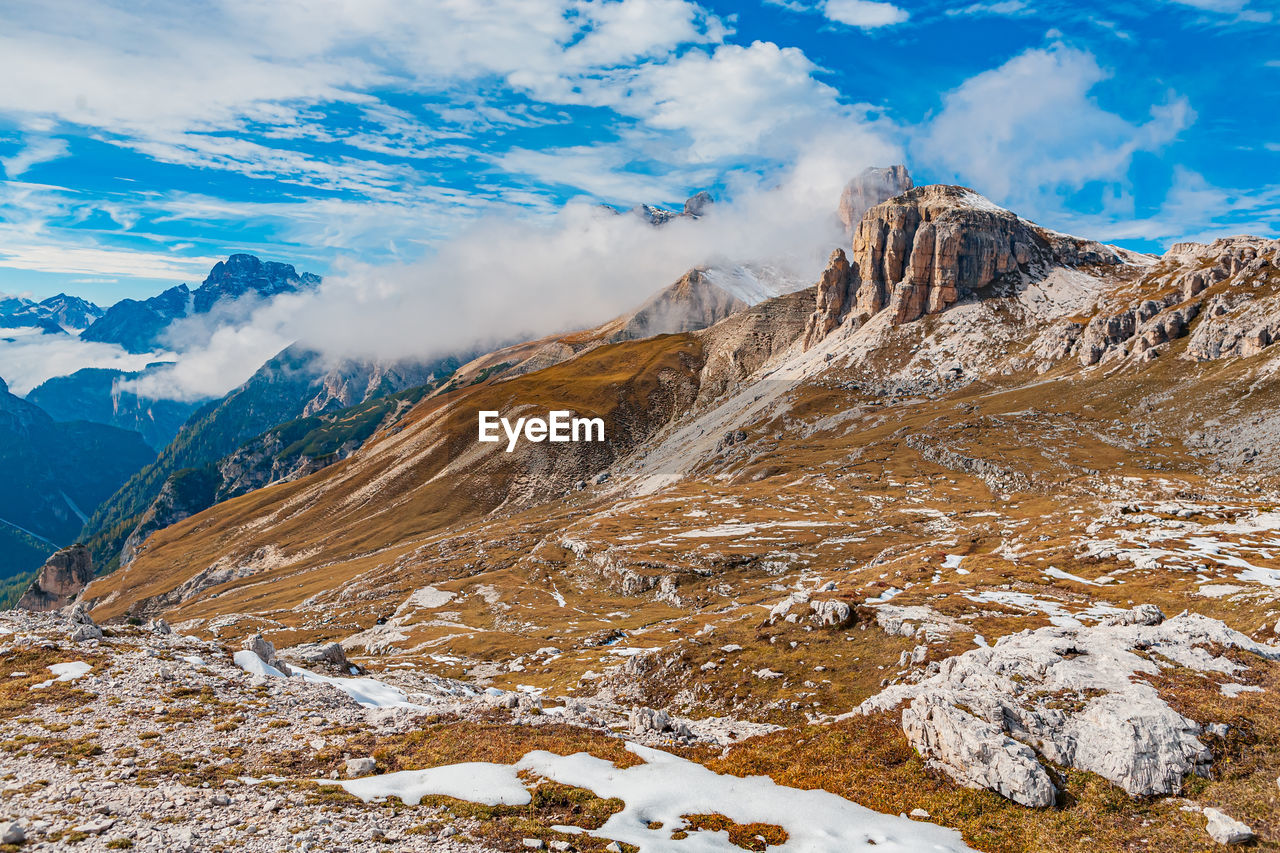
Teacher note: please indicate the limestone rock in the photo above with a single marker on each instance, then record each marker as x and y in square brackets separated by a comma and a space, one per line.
[975, 753]
[643, 720]
[83, 626]
[870, 188]
[320, 654]
[59, 580]
[360, 766]
[11, 832]
[1225, 829]
[266, 652]
[985, 714]
[831, 613]
[836, 291]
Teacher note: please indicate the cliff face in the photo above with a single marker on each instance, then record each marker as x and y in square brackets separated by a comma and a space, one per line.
[1225, 294]
[836, 289]
[59, 580]
[930, 247]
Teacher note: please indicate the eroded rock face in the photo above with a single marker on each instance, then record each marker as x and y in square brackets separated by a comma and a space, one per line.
[836, 292]
[1240, 317]
[1070, 695]
[869, 189]
[924, 250]
[930, 247]
[59, 580]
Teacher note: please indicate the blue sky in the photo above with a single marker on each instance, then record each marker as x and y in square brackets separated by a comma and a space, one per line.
[142, 141]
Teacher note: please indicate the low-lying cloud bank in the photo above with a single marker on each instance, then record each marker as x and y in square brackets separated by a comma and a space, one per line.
[507, 278]
[28, 357]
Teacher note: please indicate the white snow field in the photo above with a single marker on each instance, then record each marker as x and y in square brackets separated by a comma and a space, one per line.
[664, 788]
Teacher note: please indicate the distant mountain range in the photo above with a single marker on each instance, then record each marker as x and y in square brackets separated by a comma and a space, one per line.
[139, 325]
[67, 313]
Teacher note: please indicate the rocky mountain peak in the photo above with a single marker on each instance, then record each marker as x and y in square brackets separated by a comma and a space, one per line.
[925, 249]
[241, 274]
[696, 204]
[870, 188]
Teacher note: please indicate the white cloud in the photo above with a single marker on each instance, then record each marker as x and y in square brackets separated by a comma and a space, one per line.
[30, 359]
[1001, 7]
[865, 14]
[170, 81]
[84, 260]
[37, 150]
[507, 278]
[1028, 131]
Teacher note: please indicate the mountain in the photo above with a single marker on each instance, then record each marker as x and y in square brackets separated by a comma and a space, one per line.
[139, 325]
[96, 394]
[694, 207]
[283, 453]
[54, 473]
[295, 384]
[62, 311]
[936, 512]
[868, 189]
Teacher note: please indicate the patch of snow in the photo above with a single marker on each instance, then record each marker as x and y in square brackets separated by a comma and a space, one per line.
[718, 530]
[887, 595]
[367, 691]
[1218, 590]
[65, 672]
[429, 598]
[666, 787]
[474, 781]
[1055, 572]
[952, 561]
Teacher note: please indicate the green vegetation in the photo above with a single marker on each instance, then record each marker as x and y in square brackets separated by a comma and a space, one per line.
[12, 588]
[256, 414]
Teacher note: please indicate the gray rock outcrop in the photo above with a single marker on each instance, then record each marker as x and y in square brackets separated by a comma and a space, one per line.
[1072, 696]
[1225, 829]
[266, 652]
[836, 290]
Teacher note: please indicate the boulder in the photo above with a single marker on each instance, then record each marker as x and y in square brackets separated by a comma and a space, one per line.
[59, 580]
[1225, 829]
[831, 613]
[11, 832]
[976, 753]
[642, 720]
[985, 715]
[320, 654]
[360, 766]
[266, 652]
[83, 627]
